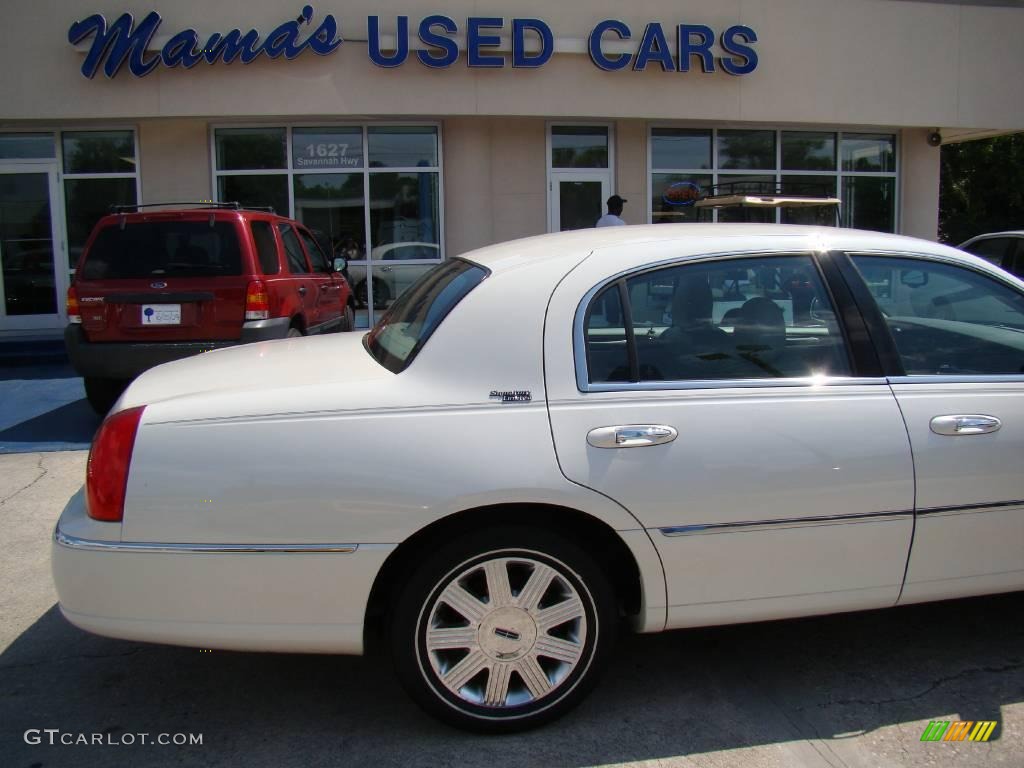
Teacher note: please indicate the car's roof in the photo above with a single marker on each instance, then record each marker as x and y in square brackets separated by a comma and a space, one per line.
[694, 239]
[987, 235]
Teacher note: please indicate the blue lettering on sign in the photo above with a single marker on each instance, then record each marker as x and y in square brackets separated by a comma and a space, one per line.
[608, 63]
[401, 52]
[547, 43]
[702, 49]
[747, 56]
[476, 39]
[653, 45]
[124, 41]
[449, 50]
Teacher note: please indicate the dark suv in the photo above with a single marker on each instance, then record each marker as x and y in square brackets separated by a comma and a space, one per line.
[158, 285]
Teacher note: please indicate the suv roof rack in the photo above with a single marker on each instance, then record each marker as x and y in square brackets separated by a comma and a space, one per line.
[769, 194]
[232, 206]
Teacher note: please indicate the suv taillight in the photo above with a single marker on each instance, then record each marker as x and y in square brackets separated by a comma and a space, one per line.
[74, 313]
[106, 474]
[257, 305]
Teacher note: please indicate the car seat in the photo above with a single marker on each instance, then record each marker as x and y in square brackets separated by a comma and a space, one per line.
[760, 336]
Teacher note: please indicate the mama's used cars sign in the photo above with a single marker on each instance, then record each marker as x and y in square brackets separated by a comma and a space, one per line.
[125, 41]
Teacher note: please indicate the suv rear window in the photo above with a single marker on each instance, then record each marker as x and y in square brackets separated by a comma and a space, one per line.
[400, 334]
[179, 248]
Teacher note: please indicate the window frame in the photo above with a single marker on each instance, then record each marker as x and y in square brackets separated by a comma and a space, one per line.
[65, 275]
[722, 175]
[854, 342]
[289, 172]
[879, 329]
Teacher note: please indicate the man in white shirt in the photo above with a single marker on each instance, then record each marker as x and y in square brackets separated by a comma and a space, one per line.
[611, 219]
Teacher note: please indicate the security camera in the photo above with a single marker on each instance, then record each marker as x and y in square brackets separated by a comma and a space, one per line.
[934, 139]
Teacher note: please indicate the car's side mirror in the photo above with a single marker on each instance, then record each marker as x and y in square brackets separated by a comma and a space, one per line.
[340, 264]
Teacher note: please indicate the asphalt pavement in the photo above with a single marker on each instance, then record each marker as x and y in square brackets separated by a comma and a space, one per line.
[851, 691]
[43, 407]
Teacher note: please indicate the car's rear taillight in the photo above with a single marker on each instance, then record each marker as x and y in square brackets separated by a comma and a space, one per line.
[74, 313]
[106, 474]
[257, 304]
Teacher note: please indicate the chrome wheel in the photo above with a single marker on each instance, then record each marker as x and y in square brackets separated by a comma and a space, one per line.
[503, 628]
[505, 632]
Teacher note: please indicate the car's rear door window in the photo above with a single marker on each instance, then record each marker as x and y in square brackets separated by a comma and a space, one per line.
[402, 331]
[946, 319]
[266, 247]
[164, 248]
[743, 318]
[296, 258]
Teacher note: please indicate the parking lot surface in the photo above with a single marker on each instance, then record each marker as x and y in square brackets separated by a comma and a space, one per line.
[43, 408]
[852, 690]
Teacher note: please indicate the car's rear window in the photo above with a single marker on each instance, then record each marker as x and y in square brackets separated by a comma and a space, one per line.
[174, 248]
[400, 334]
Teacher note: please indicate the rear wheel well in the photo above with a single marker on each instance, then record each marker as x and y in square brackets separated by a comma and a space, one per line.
[597, 538]
[299, 323]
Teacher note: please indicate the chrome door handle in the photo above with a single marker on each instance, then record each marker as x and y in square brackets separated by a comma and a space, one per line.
[965, 425]
[631, 436]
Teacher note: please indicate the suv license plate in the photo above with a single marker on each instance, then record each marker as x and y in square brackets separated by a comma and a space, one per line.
[161, 314]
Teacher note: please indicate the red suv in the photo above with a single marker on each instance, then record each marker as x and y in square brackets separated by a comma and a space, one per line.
[158, 285]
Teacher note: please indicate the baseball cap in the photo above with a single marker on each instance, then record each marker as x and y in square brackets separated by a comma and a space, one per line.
[615, 199]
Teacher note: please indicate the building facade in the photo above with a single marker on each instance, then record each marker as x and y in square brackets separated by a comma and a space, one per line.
[405, 132]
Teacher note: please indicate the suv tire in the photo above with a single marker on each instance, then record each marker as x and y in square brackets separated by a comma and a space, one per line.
[103, 393]
[348, 319]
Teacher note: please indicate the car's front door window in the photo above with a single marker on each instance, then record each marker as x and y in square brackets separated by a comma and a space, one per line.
[946, 319]
[743, 318]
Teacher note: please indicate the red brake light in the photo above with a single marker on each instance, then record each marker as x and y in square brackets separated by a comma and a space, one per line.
[257, 304]
[74, 313]
[106, 474]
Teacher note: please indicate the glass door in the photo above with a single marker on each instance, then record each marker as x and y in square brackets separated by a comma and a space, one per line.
[580, 162]
[31, 285]
[578, 200]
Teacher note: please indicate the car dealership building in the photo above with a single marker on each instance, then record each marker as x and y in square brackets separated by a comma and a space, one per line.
[404, 132]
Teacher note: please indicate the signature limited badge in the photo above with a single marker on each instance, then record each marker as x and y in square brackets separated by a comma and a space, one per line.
[512, 396]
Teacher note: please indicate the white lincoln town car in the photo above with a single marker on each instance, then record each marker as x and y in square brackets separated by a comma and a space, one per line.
[660, 426]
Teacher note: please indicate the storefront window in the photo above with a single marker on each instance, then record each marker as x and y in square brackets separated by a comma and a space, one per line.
[869, 202]
[256, 191]
[327, 148]
[366, 193]
[409, 146]
[251, 149]
[333, 206]
[673, 195]
[403, 209]
[579, 146]
[99, 171]
[808, 151]
[869, 152]
[27, 146]
[746, 150]
[99, 152]
[859, 167]
[680, 148]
